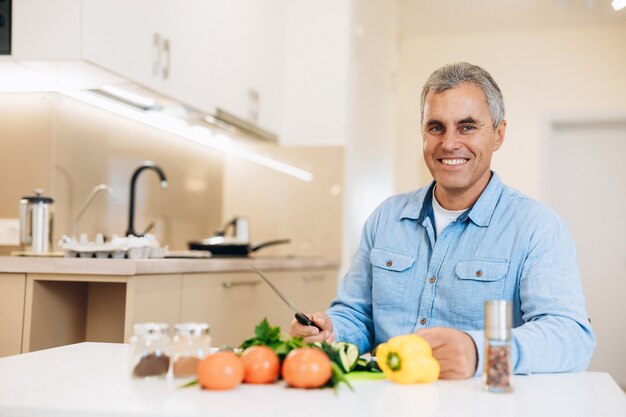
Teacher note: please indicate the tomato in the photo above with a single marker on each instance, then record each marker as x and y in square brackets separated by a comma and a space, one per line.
[261, 365]
[221, 370]
[306, 368]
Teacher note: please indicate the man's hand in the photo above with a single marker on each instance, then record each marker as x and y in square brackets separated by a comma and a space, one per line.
[454, 350]
[310, 333]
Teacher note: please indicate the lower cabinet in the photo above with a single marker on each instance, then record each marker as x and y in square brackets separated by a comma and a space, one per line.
[64, 309]
[41, 311]
[12, 293]
[234, 303]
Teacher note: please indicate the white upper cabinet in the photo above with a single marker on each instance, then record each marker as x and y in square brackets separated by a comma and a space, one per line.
[206, 53]
[249, 59]
[162, 44]
[46, 30]
[282, 65]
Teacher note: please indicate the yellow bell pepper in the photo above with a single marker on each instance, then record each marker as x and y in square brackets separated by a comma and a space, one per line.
[407, 359]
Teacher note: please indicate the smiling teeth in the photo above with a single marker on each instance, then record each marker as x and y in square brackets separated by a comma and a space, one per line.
[453, 161]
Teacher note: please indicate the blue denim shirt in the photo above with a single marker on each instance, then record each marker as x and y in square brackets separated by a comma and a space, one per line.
[506, 246]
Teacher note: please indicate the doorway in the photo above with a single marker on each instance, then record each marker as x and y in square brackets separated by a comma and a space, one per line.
[585, 182]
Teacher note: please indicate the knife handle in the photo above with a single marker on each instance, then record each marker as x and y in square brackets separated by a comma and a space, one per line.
[303, 319]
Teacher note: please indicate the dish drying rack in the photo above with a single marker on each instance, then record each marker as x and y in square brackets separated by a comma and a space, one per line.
[131, 247]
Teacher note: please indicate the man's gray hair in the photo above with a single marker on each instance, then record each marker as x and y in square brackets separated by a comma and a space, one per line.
[453, 75]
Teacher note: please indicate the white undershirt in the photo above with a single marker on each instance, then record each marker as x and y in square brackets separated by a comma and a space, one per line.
[443, 217]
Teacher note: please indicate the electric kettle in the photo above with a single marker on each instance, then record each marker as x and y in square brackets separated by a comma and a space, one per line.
[36, 222]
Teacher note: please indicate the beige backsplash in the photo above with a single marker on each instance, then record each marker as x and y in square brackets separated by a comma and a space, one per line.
[67, 147]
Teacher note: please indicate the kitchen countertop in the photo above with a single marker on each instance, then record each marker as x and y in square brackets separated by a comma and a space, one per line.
[48, 265]
[92, 379]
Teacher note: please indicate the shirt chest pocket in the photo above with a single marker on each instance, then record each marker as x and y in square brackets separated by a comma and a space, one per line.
[390, 275]
[476, 281]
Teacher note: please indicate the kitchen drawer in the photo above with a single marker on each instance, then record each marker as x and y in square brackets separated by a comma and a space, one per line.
[234, 303]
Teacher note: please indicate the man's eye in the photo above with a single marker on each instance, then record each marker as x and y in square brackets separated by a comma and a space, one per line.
[435, 129]
[467, 128]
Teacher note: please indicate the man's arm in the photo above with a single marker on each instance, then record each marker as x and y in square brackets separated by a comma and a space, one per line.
[351, 310]
[454, 350]
[556, 335]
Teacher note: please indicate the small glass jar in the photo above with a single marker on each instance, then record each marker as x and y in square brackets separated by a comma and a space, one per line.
[190, 345]
[497, 372]
[150, 350]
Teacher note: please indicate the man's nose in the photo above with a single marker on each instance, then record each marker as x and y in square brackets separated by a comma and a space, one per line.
[450, 140]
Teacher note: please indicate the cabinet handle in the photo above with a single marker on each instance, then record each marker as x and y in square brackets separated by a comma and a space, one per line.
[166, 52]
[230, 284]
[156, 54]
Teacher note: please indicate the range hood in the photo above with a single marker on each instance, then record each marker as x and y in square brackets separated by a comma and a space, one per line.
[94, 86]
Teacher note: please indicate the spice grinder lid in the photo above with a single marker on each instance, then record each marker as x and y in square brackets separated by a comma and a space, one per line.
[498, 319]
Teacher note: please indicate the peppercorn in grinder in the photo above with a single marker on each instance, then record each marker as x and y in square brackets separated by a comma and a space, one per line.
[498, 372]
[36, 222]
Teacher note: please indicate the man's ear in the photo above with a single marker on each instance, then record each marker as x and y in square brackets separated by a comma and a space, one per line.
[500, 134]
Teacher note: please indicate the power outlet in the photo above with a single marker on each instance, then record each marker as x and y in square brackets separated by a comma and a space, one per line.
[9, 232]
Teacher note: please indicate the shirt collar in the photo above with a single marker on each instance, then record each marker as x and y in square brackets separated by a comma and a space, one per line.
[480, 212]
[414, 211]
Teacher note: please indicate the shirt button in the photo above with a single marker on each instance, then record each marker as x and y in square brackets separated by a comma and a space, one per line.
[389, 263]
[479, 274]
[431, 280]
[423, 321]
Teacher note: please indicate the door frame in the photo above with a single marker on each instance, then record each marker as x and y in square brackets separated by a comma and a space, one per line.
[547, 125]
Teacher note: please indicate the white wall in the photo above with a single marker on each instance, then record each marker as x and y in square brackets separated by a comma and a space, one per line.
[317, 36]
[541, 72]
[370, 147]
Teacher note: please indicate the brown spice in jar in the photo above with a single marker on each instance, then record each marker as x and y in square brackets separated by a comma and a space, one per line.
[185, 366]
[152, 364]
[498, 367]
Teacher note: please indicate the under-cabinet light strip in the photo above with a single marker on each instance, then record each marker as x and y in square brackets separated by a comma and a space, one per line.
[198, 134]
[618, 4]
[128, 96]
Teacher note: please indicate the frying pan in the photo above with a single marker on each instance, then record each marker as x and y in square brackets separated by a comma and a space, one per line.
[234, 248]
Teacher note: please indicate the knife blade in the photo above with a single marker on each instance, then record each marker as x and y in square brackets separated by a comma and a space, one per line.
[301, 317]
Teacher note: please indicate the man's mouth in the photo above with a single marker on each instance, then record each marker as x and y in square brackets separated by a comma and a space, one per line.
[455, 161]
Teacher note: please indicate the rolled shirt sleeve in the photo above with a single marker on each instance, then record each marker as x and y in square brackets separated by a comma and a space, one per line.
[556, 334]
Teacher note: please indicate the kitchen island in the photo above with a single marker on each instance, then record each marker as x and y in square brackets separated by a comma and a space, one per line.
[49, 302]
[93, 379]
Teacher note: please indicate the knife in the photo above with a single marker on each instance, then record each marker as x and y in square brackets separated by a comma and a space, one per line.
[301, 317]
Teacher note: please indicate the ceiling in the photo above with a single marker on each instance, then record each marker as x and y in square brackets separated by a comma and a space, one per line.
[454, 16]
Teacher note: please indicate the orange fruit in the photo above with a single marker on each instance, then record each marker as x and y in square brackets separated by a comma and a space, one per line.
[307, 368]
[261, 365]
[220, 371]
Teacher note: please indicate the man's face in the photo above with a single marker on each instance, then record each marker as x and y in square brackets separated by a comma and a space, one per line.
[459, 139]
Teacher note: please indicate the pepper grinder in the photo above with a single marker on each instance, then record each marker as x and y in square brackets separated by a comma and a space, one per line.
[497, 372]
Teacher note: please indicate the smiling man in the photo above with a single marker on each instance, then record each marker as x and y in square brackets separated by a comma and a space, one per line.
[429, 259]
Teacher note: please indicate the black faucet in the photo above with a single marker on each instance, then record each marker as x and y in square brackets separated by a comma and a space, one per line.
[131, 209]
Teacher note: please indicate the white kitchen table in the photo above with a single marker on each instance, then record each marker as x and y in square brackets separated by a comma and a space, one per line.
[92, 379]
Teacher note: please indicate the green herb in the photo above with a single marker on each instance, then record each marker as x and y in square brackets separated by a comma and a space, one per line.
[271, 337]
[189, 384]
[265, 335]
